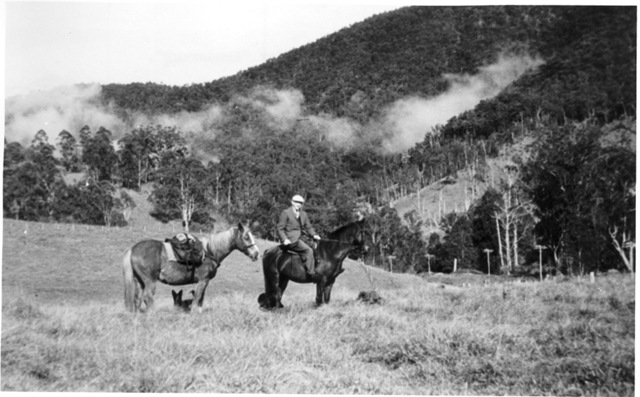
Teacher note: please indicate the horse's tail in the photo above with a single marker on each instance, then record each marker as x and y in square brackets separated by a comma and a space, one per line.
[129, 282]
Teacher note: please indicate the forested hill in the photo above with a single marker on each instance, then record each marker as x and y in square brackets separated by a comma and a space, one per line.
[358, 70]
[355, 121]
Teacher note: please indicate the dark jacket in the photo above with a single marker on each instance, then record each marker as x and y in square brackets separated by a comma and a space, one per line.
[289, 227]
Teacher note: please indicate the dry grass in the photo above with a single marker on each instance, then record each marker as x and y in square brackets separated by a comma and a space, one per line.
[565, 338]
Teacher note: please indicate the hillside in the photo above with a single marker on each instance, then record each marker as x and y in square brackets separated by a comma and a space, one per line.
[420, 51]
[419, 108]
[456, 193]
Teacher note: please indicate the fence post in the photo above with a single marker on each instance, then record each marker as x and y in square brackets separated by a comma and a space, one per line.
[488, 252]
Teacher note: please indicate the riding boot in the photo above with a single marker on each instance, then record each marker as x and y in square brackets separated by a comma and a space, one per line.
[311, 271]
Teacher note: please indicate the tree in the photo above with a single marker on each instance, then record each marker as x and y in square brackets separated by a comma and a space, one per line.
[100, 155]
[125, 204]
[101, 196]
[485, 235]
[180, 191]
[388, 237]
[513, 217]
[582, 192]
[612, 200]
[41, 155]
[73, 204]
[458, 244]
[68, 151]
[24, 195]
[144, 151]
[139, 148]
[29, 186]
[85, 135]
[14, 154]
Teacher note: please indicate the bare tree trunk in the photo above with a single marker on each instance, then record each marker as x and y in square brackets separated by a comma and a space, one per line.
[507, 226]
[628, 261]
[515, 247]
[499, 241]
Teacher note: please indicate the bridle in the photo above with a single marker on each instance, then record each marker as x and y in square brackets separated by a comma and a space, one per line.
[246, 248]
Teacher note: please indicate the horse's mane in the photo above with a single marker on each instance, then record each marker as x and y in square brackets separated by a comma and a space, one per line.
[342, 229]
[218, 242]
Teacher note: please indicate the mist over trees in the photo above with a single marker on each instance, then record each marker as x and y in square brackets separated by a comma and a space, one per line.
[317, 121]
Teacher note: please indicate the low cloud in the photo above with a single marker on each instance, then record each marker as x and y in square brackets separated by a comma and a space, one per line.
[402, 125]
[205, 121]
[72, 107]
[283, 108]
[66, 108]
[410, 119]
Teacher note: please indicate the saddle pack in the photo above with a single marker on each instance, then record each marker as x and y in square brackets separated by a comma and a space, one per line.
[187, 249]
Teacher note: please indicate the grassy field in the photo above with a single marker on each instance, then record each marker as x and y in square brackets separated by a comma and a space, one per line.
[64, 328]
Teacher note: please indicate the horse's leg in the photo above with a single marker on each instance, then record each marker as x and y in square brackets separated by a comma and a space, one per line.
[130, 283]
[148, 290]
[145, 288]
[137, 294]
[327, 292]
[199, 295]
[272, 292]
[282, 286]
[320, 286]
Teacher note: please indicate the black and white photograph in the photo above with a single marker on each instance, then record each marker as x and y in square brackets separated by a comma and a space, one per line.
[321, 198]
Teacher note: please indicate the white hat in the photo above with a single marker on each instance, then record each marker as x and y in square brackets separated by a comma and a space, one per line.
[298, 198]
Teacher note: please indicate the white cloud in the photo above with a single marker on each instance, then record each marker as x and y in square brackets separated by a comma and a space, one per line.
[410, 119]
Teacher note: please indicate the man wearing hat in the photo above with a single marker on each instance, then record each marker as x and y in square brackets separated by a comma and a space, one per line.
[292, 223]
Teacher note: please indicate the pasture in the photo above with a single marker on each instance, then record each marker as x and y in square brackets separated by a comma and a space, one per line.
[65, 328]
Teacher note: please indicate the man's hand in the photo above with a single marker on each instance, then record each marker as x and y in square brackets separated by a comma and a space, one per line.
[286, 242]
[317, 237]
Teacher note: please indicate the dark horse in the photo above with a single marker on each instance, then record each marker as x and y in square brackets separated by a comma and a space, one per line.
[146, 263]
[280, 267]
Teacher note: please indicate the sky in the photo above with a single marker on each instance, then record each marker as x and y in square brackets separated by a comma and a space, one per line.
[51, 44]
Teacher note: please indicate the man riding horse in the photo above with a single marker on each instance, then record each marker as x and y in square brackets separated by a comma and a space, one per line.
[292, 223]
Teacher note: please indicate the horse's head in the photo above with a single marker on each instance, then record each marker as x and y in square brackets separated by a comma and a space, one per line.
[357, 238]
[353, 233]
[245, 242]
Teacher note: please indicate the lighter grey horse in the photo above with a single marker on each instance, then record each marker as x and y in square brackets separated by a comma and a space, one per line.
[147, 262]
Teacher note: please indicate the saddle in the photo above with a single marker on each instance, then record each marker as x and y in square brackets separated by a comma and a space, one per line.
[296, 258]
[187, 249]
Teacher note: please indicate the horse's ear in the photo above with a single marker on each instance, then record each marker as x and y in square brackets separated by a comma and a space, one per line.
[241, 227]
